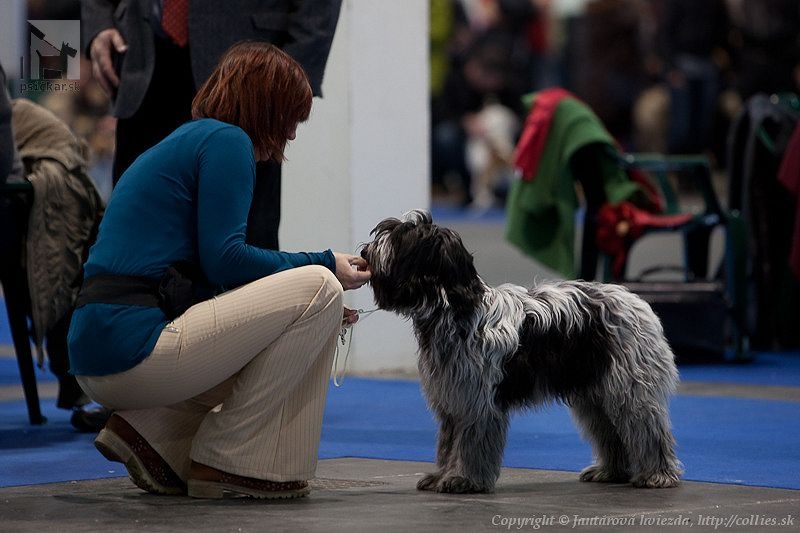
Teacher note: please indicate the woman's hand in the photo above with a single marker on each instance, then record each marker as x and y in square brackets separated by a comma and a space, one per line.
[352, 271]
[103, 46]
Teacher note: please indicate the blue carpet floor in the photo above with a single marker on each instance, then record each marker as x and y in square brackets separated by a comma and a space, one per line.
[9, 373]
[5, 331]
[779, 369]
[724, 440]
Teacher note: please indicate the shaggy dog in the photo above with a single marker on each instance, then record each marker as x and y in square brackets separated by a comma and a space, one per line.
[484, 352]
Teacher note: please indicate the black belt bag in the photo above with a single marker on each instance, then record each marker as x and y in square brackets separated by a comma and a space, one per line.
[181, 286]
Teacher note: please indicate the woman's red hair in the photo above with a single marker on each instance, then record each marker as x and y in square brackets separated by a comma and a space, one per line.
[259, 88]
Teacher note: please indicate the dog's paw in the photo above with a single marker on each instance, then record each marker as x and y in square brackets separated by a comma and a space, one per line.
[460, 485]
[429, 481]
[600, 474]
[659, 480]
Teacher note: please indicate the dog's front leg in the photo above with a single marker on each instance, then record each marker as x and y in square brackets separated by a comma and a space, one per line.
[476, 455]
[444, 447]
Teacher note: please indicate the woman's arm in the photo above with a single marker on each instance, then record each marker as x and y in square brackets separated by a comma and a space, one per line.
[226, 176]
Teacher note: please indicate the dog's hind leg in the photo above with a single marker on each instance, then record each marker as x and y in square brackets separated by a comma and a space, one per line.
[474, 461]
[444, 447]
[610, 455]
[645, 430]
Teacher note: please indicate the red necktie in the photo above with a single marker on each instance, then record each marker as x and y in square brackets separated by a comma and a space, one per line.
[175, 20]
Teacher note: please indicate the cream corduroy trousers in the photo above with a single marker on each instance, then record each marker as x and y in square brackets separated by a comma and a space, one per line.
[238, 382]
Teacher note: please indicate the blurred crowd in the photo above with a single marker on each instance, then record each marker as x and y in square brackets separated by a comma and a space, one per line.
[666, 76]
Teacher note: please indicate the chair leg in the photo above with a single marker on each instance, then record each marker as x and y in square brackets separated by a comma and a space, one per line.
[697, 241]
[15, 306]
[589, 251]
[14, 210]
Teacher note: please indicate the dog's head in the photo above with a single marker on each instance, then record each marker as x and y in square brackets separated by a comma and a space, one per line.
[418, 266]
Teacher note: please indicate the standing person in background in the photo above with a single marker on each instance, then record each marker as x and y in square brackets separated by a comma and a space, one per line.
[608, 70]
[768, 55]
[489, 70]
[151, 55]
[449, 37]
[694, 38]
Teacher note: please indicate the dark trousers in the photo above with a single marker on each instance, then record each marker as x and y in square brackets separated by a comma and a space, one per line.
[584, 165]
[693, 106]
[167, 105]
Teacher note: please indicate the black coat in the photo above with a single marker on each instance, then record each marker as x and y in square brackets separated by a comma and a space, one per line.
[302, 28]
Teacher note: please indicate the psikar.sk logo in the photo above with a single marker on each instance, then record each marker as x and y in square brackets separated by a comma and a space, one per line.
[53, 56]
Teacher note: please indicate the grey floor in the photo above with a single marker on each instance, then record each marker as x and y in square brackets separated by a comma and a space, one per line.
[373, 495]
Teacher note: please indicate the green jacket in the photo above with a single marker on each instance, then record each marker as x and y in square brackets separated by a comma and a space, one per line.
[540, 212]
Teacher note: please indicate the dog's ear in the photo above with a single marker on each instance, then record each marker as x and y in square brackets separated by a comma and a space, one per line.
[385, 226]
[454, 269]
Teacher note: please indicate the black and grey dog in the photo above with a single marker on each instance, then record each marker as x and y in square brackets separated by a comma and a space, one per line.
[485, 351]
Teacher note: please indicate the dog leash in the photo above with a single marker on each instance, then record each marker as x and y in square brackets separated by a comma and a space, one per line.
[346, 337]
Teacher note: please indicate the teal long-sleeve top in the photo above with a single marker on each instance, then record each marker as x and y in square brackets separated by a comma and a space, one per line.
[187, 198]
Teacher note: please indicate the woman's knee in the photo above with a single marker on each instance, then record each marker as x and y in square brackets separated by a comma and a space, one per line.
[329, 292]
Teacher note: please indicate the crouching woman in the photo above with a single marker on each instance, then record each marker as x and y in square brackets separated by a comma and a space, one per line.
[215, 355]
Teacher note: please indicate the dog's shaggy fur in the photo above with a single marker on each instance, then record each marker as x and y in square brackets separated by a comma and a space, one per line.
[486, 351]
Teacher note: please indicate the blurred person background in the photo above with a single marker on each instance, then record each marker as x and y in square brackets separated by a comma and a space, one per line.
[667, 76]
[650, 69]
[479, 77]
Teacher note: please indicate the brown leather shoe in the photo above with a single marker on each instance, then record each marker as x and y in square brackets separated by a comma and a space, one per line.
[208, 482]
[120, 443]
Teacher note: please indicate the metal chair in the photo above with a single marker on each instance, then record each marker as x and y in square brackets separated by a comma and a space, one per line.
[15, 203]
[715, 295]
